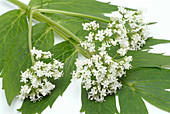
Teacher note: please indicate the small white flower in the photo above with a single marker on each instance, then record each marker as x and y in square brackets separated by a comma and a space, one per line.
[108, 32]
[100, 35]
[90, 37]
[122, 51]
[25, 89]
[122, 10]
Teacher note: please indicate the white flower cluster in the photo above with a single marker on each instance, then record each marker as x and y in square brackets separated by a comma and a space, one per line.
[40, 54]
[128, 30]
[37, 78]
[100, 74]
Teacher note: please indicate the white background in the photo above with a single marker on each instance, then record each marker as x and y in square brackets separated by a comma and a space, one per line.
[70, 102]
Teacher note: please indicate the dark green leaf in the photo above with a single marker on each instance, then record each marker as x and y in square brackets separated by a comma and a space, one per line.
[147, 83]
[12, 23]
[66, 53]
[78, 6]
[151, 42]
[92, 107]
[18, 58]
[73, 24]
[130, 101]
[151, 23]
[145, 59]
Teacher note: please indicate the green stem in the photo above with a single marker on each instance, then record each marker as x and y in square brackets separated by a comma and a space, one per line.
[62, 31]
[80, 49]
[29, 36]
[51, 22]
[72, 14]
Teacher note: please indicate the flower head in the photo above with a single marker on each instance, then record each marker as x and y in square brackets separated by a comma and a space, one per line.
[36, 79]
[100, 74]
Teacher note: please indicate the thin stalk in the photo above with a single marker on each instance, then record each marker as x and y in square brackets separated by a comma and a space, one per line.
[29, 36]
[72, 14]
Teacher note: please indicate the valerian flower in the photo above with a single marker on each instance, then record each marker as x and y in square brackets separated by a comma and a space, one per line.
[100, 74]
[36, 79]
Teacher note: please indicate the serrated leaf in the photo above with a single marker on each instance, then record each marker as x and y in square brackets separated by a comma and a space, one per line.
[147, 83]
[151, 42]
[18, 58]
[145, 59]
[92, 107]
[66, 53]
[12, 23]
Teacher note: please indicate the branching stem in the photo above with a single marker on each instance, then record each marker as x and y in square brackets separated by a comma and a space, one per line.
[62, 31]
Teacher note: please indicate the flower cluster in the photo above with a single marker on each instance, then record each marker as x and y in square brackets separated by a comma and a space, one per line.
[100, 74]
[37, 78]
[128, 30]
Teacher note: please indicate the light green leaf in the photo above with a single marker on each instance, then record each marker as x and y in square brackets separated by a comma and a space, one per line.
[43, 36]
[18, 58]
[12, 24]
[145, 59]
[92, 107]
[66, 53]
[147, 83]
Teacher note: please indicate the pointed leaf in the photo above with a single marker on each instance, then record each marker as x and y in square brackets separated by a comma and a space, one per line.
[145, 59]
[18, 58]
[12, 24]
[66, 53]
[151, 42]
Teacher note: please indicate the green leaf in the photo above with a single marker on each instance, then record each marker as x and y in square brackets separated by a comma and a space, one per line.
[145, 59]
[43, 36]
[18, 58]
[12, 23]
[78, 6]
[131, 102]
[151, 42]
[147, 83]
[66, 53]
[92, 107]
[73, 24]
